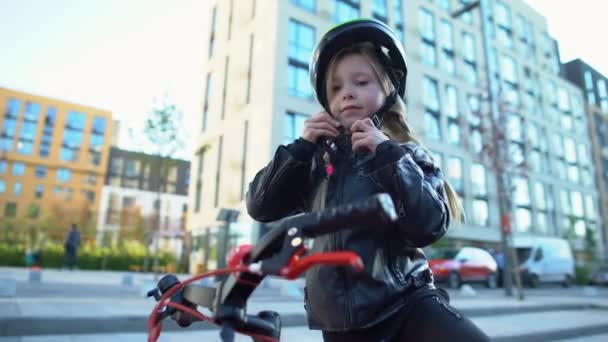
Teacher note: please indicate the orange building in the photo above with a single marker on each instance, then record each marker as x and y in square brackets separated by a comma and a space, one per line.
[53, 159]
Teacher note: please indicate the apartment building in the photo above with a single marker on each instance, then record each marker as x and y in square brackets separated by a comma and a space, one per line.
[594, 86]
[257, 96]
[133, 196]
[53, 157]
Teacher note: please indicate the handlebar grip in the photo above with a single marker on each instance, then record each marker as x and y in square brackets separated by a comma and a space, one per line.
[267, 323]
[376, 210]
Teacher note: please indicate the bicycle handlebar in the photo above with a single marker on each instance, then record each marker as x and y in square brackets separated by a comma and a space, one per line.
[279, 252]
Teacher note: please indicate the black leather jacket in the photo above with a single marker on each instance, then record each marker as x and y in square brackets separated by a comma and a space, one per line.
[338, 298]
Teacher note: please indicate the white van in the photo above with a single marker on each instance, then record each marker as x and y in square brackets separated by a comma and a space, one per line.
[545, 259]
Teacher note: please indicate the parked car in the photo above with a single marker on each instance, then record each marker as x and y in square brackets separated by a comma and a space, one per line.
[599, 276]
[469, 264]
[545, 259]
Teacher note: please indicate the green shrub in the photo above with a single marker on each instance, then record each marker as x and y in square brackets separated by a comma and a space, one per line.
[89, 258]
[582, 275]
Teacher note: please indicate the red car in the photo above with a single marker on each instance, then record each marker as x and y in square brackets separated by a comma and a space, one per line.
[469, 264]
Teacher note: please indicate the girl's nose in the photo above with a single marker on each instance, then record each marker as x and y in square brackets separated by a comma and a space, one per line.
[347, 93]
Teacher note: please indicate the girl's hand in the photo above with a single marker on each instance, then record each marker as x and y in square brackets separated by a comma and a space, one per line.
[365, 136]
[320, 125]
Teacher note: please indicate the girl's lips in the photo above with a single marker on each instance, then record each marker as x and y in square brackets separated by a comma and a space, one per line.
[349, 108]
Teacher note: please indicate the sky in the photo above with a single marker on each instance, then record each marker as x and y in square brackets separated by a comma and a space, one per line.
[120, 55]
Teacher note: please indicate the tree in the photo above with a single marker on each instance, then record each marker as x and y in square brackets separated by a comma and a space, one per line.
[164, 132]
[502, 149]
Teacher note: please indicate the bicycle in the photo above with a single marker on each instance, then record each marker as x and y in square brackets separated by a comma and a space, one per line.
[280, 252]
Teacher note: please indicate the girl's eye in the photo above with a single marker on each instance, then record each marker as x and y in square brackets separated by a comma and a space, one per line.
[362, 83]
[336, 88]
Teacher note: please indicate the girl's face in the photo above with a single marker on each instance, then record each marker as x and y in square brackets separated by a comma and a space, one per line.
[355, 92]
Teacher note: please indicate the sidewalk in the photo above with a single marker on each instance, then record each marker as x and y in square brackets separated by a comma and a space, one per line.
[70, 309]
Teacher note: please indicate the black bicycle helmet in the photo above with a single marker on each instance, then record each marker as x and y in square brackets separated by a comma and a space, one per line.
[388, 47]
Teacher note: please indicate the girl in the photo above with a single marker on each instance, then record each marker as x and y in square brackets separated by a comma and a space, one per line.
[358, 146]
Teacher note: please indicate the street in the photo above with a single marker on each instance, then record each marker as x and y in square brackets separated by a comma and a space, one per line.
[94, 306]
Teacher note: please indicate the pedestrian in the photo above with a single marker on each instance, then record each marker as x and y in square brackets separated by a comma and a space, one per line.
[39, 248]
[360, 145]
[499, 257]
[71, 245]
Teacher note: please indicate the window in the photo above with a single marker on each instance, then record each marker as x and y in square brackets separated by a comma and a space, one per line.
[131, 168]
[398, 18]
[454, 172]
[18, 169]
[10, 210]
[446, 37]
[72, 136]
[588, 80]
[17, 189]
[47, 132]
[63, 175]
[199, 180]
[379, 10]
[116, 165]
[218, 173]
[40, 171]
[474, 120]
[478, 180]
[466, 17]
[480, 212]
[503, 21]
[97, 137]
[213, 31]
[29, 127]
[2, 186]
[206, 102]
[89, 195]
[2, 166]
[470, 59]
[294, 125]
[427, 32]
[521, 197]
[301, 44]
[445, 5]
[39, 191]
[451, 111]
[91, 179]
[308, 5]
[431, 103]
[225, 88]
[13, 107]
[345, 10]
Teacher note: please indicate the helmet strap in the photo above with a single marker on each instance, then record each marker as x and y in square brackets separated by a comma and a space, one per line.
[390, 100]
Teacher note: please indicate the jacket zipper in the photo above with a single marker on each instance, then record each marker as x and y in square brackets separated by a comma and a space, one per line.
[340, 195]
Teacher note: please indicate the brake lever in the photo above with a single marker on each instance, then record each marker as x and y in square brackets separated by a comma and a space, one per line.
[298, 265]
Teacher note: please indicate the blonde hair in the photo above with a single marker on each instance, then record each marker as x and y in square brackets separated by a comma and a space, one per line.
[394, 124]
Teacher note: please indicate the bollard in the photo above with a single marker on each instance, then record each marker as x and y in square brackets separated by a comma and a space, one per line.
[127, 279]
[35, 275]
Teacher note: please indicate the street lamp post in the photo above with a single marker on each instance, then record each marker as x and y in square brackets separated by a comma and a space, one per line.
[501, 153]
[227, 216]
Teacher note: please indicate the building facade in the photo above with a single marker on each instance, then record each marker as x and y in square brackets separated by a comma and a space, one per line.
[594, 85]
[131, 195]
[257, 93]
[53, 158]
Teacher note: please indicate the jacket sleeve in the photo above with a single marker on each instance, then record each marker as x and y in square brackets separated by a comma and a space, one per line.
[416, 186]
[281, 188]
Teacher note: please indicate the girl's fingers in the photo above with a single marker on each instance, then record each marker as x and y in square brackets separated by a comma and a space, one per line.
[322, 125]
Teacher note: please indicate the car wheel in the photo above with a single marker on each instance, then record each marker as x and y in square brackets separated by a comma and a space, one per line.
[534, 281]
[492, 281]
[567, 281]
[454, 280]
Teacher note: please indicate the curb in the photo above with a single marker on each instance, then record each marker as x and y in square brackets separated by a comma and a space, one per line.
[32, 326]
